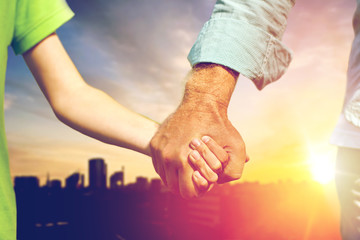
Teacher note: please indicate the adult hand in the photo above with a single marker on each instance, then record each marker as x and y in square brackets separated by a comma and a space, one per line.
[203, 111]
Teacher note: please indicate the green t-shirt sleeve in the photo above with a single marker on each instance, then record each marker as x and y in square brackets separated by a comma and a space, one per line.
[37, 19]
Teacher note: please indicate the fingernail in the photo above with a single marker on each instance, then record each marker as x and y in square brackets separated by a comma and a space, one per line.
[195, 154]
[205, 139]
[195, 142]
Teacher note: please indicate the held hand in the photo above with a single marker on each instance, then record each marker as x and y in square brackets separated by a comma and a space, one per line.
[170, 149]
[210, 151]
[203, 111]
[201, 159]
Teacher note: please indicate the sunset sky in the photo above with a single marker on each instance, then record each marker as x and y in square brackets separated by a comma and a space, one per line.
[136, 51]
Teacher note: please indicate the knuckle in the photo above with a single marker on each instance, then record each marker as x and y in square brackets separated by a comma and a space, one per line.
[213, 178]
[217, 166]
[202, 183]
[191, 160]
[202, 150]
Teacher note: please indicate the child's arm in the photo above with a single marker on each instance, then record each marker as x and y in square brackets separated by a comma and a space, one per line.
[82, 107]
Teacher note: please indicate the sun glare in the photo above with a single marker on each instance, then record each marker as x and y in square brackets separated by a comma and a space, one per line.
[322, 166]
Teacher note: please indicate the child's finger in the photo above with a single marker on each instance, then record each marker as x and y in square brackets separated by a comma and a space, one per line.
[216, 149]
[200, 164]
[200, 182]
[210, 158]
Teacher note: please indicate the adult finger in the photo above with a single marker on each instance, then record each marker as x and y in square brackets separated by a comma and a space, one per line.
[186, 185]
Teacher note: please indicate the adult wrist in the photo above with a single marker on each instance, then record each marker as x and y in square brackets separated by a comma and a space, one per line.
[210, 86]
[204, 102]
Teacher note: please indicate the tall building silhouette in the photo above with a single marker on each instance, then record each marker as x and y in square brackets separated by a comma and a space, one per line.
[75, 181]
[55, 184]
[117, 180]
[141, 183]
[48, 181]
[26, 183]
[97, 173]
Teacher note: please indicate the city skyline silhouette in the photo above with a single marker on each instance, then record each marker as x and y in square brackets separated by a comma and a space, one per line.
[146, 210]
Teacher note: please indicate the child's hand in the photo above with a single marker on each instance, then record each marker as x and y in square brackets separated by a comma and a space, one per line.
[206, 158]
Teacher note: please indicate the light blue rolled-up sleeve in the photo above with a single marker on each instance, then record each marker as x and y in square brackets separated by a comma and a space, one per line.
[245, 35]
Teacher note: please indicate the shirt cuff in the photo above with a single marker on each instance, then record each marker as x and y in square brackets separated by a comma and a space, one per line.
[249, 50]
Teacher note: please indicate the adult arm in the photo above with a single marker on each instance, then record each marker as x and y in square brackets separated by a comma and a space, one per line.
[241, 37]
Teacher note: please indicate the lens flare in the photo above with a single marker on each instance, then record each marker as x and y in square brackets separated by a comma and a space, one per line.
[322, 166]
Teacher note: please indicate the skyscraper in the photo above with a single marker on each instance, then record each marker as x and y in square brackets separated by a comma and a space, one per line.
[26, 183]
[97, 173]
[74, 181]
[55, 184]
[117, 180]
[141, 183]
